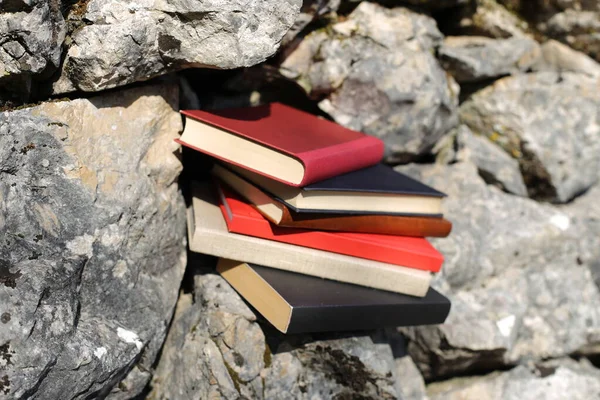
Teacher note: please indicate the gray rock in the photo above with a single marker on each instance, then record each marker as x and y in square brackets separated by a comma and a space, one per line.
[549, 122]
[413, 385]
[311, 11]
[565, 380]
[487, 18]
[31, 37]
[216, 349]
[494, 165]
[518, 273]
[93, 242]
[378, 75]
[561, 58]
[436, 5]
[475, 58]
[119, 42]
[579, 29]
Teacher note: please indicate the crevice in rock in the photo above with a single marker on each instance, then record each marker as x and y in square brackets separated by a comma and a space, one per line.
[536, 177]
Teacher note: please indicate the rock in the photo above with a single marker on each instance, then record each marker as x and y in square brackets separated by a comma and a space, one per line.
[579, 29]
[485, 18]
[561, 58]
[473, 58]
[217, 349]
[567, 380]
[310, 12]
[31, 37]
[518, 274]
[413, 385]
[550, 123]
[494, 165]
[118, 42]
[377, 74]
[93, 242]
[436, 5]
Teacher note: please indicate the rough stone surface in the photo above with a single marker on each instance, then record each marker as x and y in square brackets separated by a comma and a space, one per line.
[507, 265]
[550, 122]
[216, 349]
[559, 57]
[495, 166]
[436, 5]
[118, 42]
[579, 29]
[412, 383]
[31, 36]
[92, 242]
[565, 380]
[377, 74]
[311, 11]
[475, 58]
[485, 18]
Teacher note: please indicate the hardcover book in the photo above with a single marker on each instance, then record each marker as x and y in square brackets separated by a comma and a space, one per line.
[208, 234]
[296, 303]
[409, 252]
[280, 142]
[279, 214]
[377, 189]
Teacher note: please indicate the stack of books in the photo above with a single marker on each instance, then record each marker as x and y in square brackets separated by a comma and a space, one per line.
[311, 229]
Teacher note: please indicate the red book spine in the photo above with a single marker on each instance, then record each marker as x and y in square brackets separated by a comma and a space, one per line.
[337, 160]
[404, 251]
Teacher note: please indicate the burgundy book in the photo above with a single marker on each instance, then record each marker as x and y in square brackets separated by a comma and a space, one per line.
[280, 142]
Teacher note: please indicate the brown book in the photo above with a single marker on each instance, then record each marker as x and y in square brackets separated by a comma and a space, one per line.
[281, 215]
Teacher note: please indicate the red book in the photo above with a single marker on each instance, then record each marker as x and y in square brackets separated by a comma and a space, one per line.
[412, 252]
[280, 142]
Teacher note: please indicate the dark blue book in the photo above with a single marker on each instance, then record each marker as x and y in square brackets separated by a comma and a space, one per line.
[374, 190]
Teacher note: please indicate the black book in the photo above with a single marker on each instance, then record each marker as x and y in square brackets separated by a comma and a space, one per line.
[296, 303]
[373, 190]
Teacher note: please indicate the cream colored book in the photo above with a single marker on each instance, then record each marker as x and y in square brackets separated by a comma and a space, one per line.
[208, 234]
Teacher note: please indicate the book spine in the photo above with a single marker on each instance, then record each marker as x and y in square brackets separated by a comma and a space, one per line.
[337, 160]
[311, 262]
[329, 319]
[377, 224]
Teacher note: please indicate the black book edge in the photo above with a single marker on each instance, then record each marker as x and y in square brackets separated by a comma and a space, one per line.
[431, 309]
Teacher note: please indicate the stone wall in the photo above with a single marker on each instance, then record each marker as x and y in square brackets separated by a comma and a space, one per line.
[495, 103]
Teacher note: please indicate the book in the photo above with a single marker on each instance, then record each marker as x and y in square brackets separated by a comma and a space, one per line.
[280, 142]
[295, 303]
[374, 190]
[207, 232]
[279, 214]
[409, 252]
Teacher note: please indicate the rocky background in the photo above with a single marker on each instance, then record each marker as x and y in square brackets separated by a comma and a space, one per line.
[496, 103]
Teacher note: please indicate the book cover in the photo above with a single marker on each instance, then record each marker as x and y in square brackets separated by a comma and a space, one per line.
[409, 252]
[279, 214]
[324, 148]
[374, 190]
[208, 234]
[296, 303]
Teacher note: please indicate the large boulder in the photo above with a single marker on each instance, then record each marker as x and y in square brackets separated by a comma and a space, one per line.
[476, 58]
[484, 18]
[550, 123]
[579, 29]
[559, 57]
[562, 379]
[376, 72]
[216, 348]
[92, 249]
[117, 42]
[574, 22]
[31, 37]
[520, 275]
